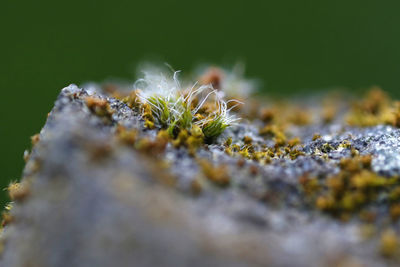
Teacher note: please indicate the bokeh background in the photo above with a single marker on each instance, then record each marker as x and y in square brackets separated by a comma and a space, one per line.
[291, 46]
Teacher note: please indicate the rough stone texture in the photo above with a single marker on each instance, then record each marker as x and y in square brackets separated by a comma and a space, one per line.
[95, 202]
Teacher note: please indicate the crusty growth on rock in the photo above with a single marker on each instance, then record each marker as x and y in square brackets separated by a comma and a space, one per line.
[165, 174]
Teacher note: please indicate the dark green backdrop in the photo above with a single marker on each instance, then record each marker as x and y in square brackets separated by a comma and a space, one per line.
[289, 45]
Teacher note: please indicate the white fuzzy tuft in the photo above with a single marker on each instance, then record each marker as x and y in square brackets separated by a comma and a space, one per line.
[163, 92]
[157, 84]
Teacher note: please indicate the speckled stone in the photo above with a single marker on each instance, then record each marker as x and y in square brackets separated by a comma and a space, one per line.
[95, 202]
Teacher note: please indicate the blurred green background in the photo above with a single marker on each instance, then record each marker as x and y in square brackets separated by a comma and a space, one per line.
[289, 45]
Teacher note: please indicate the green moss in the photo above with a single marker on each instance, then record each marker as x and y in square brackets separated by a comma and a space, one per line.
[213, 129]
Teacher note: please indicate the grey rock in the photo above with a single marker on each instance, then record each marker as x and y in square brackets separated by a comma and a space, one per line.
[95, 202]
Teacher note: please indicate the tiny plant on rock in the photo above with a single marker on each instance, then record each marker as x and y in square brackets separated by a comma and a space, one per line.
[167, 105]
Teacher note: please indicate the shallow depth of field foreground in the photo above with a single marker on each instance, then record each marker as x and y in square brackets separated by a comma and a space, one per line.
[180, 169]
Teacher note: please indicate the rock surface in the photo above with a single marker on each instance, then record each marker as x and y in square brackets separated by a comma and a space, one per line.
[94, 201]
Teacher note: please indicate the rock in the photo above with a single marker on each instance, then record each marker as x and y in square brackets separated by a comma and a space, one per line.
[98, 199]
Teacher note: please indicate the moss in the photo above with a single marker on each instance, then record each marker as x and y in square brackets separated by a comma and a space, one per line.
[18, 191]
[163, 136]
[329, 111]
[27, 156]
[228, 151]
[367, 231]
[280, 140]
[258, 155]
[355, 163]
[267, 115]
[389, 243]
[99, 151]
[235, 148]
[228, 142]
[316, 136]
[395, 211]
[326, 148]
[168, 106]
[241, 162]
[149, 124]
[374, 109]
[354, 152]
[345, 144]
[7, 218]
[132, 100]
[100, 107]
[151, 147]
[325, 203]
[147, 112]
[126, 136]
[367, 216]
[245, 153]
[195, 140]
[394, 194]
[254, 170]
[300, 116]
[214, 128]
[35, 139]
[181, 138]
[216, 174]
[294, 142]
[247, 140]
[353, 188]
[160, 110]
[309, 185]
[396, 115]
[276, 133]
[196, 132]
[195, 187]
[295, 153]
[213, 76]
[366, 178]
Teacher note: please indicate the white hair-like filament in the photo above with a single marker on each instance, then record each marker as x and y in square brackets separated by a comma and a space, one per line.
[156, 86]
